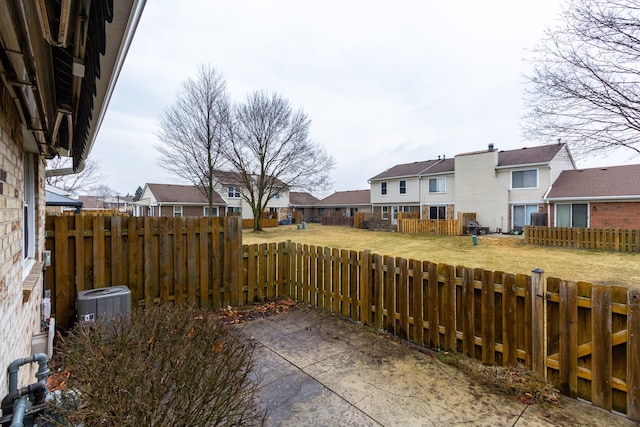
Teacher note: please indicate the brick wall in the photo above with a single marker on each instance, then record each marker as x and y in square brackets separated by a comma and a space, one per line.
[624, 215]
[19, 310]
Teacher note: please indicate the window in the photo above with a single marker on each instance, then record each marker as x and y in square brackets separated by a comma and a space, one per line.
[28, 210]
[234, 192]
[321, 211]
[437, 212]
[276, 197]
[406, 209]
[402, 187]
[383, 188]
[437, 185]
[572, 215]
[524, 179]
[214, 211]
[234, 209]
[151, 211]
[177, 211]
[385, 212]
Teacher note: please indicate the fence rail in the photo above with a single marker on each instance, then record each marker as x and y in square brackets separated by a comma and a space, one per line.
[584, 338]
[584, 238]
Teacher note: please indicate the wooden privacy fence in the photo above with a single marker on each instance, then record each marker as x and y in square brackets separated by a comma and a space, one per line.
[584, 238]
[264, 222]
[584, 338]
[159, 259]
[448, 227]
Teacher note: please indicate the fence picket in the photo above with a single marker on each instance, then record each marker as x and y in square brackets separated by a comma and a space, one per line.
[601, 347]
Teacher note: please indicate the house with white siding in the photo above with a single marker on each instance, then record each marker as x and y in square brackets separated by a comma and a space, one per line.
[503, 188]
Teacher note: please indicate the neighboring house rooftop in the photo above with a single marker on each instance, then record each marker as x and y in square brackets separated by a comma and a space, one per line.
[521, 156]
[92, 202]
[608, 182]
[181, 194]
[405, 169]
[298, 198]
[234, 178]
[53, 199]
[347, 198]
[529, 155]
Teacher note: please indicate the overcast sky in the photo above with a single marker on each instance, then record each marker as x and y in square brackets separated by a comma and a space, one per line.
[382, 82]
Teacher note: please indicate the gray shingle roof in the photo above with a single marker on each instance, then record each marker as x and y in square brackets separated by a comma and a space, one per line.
[614, 181]
[406, 169]
[347, 198]
[298, 198]
[529, 155]
[172, 193]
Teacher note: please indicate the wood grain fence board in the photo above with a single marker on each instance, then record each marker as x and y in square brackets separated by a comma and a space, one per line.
[99, 255]
[63, 292]
[389, 294]
[433, 314]
[149, 268]
[468, 306]
[344, 282]
[417, 298]
[536, 295]
[366, 290]
[335, 280]
[192, 257]
[253, 290]
[81, 283]
[234, 231]
[449, 307]
[403, 298]
[163, 259]
[378, 288]
[203, 263]
[313, 276]
[134, 259]
[568, 375]
[488, 316]
[221, 262]
[284, 287]
[509, 321]
[601, 347]
[328, 280]
[178, 260]
[271, 262]
[304, 268]
[353, 285]
[633, 355]
[262, 270]
[117, 267]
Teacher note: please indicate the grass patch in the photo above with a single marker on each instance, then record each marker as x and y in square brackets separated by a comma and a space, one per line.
[493, 252]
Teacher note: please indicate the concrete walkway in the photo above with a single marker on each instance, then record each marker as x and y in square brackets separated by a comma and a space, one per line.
[318, 370]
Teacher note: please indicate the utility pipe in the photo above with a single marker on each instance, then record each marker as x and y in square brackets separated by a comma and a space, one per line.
[41, 375]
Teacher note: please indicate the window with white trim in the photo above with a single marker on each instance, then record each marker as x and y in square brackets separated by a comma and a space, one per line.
[524, 178]
[383, 188]
[572, 215]
[214, 211]
[437, 185]
[177, 211]
[385, 212]
[402, 187]
[437, 212]
[233, 192]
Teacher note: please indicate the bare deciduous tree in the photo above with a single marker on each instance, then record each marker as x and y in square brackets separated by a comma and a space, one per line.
[269, 148]
[586, 79]
[74, 183]
[191, 131]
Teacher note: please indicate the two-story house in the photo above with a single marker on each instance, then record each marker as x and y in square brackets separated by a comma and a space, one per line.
[503, 188]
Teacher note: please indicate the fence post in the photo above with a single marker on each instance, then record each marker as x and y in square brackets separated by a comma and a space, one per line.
[633, 355]
[538, 322]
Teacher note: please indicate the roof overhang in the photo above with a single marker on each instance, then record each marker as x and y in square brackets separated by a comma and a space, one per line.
[630, 198]
[59, 61]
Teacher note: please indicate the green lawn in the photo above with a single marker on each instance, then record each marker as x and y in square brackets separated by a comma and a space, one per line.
[493, 252]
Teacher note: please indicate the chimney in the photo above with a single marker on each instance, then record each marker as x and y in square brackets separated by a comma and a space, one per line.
[490, 147]
[438, 157]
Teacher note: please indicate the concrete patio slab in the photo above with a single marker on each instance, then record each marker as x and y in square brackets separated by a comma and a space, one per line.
[316, 369]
